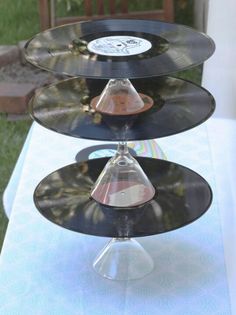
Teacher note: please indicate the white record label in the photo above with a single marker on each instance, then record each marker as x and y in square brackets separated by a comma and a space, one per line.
[119, 46]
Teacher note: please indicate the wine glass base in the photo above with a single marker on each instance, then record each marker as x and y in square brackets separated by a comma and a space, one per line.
[123, 259]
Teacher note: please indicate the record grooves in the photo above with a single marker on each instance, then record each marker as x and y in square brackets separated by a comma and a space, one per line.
[63, 197]
[179, 105]
[65, 50]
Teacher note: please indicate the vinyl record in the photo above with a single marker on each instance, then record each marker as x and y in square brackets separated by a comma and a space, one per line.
[119, 48]
[146, 148]
[178, 106]
[182, 196]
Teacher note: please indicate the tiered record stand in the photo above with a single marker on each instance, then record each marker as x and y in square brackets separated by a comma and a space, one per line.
[122, 197]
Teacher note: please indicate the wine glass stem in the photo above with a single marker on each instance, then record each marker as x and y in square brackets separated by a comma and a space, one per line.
[121, 239]
[122, 148]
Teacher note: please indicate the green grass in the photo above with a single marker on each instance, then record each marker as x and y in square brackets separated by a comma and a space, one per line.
[12, 135]
[18, 20]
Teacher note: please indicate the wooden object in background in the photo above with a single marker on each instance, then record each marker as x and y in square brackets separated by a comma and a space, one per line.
[48, 18]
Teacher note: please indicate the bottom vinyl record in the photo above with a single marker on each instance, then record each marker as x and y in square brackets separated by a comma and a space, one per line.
[182, 196]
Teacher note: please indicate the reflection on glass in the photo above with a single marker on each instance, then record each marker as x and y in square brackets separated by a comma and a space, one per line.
[122, 183]
[120, 98]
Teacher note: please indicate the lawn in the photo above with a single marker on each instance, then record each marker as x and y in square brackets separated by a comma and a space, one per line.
[19, 21]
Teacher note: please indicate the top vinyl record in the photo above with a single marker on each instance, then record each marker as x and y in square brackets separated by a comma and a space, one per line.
[119, 48]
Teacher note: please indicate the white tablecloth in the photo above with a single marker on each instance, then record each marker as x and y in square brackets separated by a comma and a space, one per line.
[47, 270]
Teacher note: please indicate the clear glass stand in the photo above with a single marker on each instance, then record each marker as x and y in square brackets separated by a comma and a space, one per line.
[119, 97]
[123, 259]
[122, 183]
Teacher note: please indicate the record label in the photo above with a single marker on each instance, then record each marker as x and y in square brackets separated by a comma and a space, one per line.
[119, 46]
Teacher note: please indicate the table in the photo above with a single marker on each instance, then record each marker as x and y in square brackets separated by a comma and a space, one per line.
[45, 269]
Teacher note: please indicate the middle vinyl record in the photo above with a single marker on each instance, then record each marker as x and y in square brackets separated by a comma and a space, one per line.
[179, 105]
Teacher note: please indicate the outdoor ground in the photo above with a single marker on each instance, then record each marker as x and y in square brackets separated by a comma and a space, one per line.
[19, 21]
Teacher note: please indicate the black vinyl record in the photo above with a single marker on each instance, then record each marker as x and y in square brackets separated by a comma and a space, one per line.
[119, 48]
[182, 196]
[108, 149]
[178, 106]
